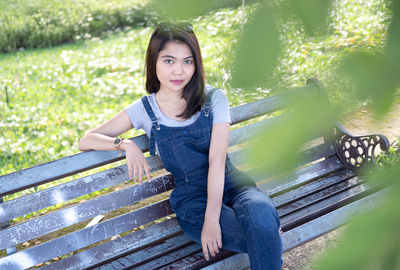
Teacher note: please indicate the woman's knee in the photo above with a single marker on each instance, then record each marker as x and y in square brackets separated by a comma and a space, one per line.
[260, 213]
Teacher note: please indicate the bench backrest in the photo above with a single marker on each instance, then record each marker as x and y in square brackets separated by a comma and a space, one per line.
[127, 206]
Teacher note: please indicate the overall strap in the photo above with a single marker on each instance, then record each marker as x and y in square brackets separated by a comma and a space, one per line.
[150, 113]
[207, 104]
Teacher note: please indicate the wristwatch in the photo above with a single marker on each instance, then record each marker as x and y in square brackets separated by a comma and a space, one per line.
[117, 143]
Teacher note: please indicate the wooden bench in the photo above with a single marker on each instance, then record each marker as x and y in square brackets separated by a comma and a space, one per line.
[139, 229]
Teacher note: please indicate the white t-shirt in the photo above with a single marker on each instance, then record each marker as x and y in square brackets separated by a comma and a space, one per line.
[140, 120]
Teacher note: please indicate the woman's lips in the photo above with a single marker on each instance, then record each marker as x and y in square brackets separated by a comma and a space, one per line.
[177, 82]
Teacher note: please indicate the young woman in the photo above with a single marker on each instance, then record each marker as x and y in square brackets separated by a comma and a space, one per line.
[188, 123]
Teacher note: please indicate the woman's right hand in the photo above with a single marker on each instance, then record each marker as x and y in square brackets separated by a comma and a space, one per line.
[136, 162]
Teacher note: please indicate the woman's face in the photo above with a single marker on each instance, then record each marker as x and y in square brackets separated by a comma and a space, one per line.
[175, 66]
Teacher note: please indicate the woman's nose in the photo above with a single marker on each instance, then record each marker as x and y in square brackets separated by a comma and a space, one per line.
[178, 69]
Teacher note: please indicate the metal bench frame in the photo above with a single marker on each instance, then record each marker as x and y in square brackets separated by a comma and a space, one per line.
[316, 198]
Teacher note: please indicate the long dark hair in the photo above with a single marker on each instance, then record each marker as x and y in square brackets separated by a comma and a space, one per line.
[193, 92]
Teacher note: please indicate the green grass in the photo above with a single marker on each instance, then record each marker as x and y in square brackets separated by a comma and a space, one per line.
[57, 94]
[43, 23]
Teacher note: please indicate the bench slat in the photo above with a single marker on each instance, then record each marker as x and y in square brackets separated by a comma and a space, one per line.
[319, 196]
[118, 247]
[297, 178]
[316, 152]
[322, 207]
[173, 256]
[61, 168]
[87, 236]
[190, 262]
[153, 252]
[235, 262]
[197, 261]
[311, 188]
[80, 212]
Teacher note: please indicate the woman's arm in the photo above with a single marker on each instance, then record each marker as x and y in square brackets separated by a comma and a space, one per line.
[102, 138]
[211, 234]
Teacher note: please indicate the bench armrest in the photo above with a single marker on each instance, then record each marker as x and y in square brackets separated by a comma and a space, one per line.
[357, 151]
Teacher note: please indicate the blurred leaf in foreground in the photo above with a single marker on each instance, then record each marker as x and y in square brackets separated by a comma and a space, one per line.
[313, 14]
[372, 77]
[377, 75]
[258, 49]
[371, 241]
[278, 145]
[392, 49]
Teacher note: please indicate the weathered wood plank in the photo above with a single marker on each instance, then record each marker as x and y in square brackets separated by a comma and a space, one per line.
[297, 178]
[61, 168]
[187, 262]
[87, 236]
[318, 196]
[197, 261]
[80, 212]
[173, 256]
[235, 262]
[151, 253]
[325, 206]
[313, 187]
[118, 247]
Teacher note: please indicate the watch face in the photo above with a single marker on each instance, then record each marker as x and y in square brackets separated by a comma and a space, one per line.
[117, 141]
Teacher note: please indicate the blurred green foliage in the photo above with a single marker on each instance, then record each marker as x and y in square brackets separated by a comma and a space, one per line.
[249, 69]
[313, 14]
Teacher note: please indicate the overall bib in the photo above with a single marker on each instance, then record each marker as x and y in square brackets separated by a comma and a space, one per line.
[184, 153]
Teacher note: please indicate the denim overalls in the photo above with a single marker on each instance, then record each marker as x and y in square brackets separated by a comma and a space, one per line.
[184, 153]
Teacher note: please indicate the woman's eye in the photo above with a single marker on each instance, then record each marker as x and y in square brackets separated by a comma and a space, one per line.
[188, 62]
[169, 61]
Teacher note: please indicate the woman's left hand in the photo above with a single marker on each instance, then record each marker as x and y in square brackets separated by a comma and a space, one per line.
[211, 237]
